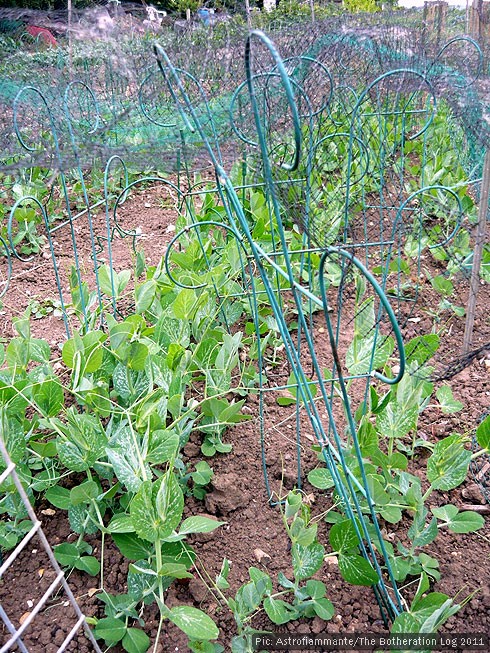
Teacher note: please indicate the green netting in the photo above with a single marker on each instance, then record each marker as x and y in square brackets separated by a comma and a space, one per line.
[342, 140]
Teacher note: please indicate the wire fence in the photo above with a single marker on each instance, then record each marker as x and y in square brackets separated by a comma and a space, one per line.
[22, 626]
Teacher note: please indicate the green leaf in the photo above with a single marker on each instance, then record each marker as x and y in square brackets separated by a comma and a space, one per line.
[156, 509]
[278, 611]
[71, 456]
[323, 608]
[439, 616]
[126, 467]
[294, 501]
[405, 623]
[84, 493]
[77, 516]
[174, 355]
[203, 473]
[459, 522]
[367, 354]
[466, 522]
[316, 589]
[397, 419]
[483, 433]
[284, 581]
[262, 581]
[141, 585]
[241, 644]
[193, 622]
[420, 534]
[422, 348]
[89, 564]
[307, 560]
[448, 465]
[39, 350]
[174, 570]
[448, 404]
[199, 524]
[84, 351]
[138, 353]
[300, 534]
[132, 547]
[423, 586]
[367, 436]
[445, 513]
[357, 570]
[184, 305]
[49, 397]
[343, 536]
[443, 286]
[164, 445]
[59, 497]
[321, 478]
[66, 554]
[112, 283]
[143, 513]
[248, 598]
[169, 504]
[110, 630]
[120, 523]
[144, 295]
[135, 641]
[285, 401]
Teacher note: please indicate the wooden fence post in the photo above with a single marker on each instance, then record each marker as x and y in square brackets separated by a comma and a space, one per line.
[477, 254]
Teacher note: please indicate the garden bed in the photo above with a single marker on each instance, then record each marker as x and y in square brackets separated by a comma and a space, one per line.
[254, 533]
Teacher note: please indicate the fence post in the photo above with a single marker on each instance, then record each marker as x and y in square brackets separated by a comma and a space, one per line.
[435, 14]
[249, 17]
[477, 254]
[70, 40]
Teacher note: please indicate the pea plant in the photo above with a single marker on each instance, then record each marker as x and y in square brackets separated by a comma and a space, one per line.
[306, 596]
[103, 440]
[387, 425]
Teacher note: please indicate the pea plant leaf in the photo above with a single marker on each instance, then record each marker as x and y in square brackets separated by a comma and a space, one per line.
[111, 282]
[199, 524]
[459, 522]
[321, 478]
[135, 641]
[143, 513]
[193, 622]
[446, 400]
[357, 570]
[84, 441]
[110, 629]
[169, 503]
[124, 470]
[443, 286]
[368, 350]
[307, 560]
[421, 348]
[448, 465]
[131, 546]
[69, 555]
[278, 611]
[483, 433]
[323, 608]
[343, 536]
[49, 397]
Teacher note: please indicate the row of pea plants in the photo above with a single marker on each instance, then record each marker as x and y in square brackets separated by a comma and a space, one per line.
[104, 438]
